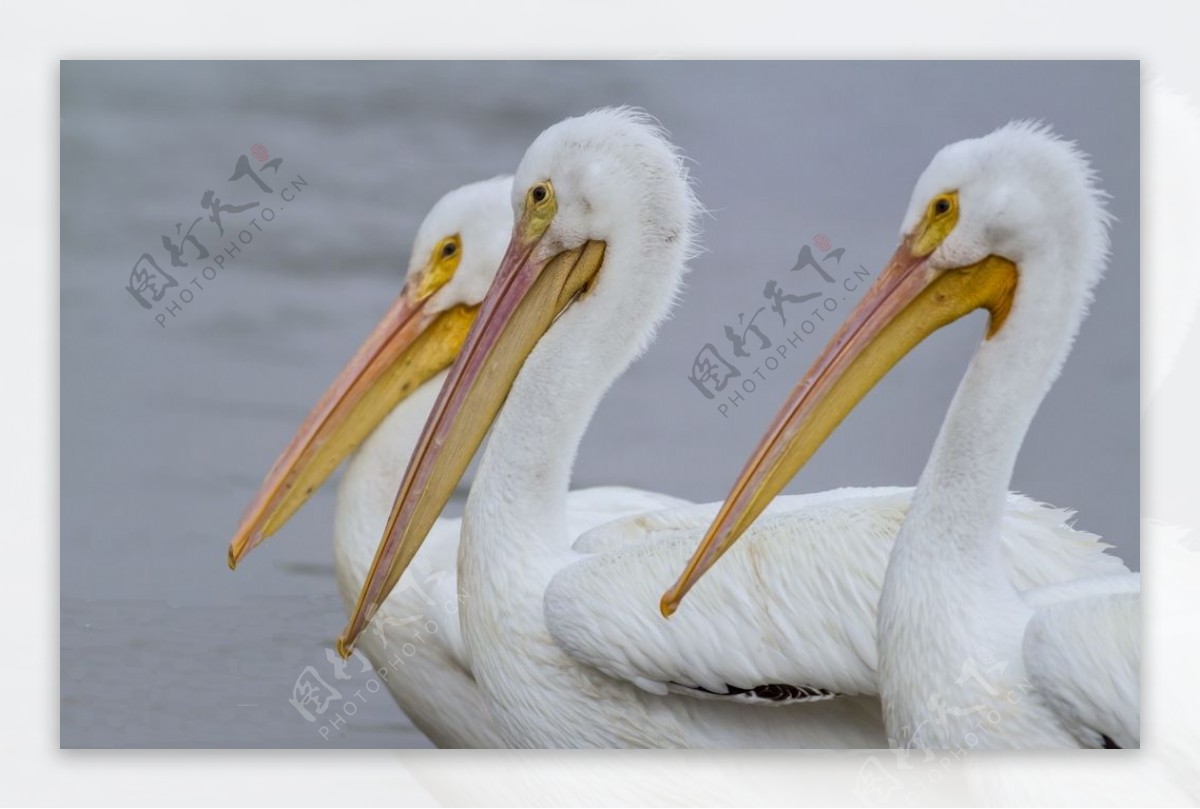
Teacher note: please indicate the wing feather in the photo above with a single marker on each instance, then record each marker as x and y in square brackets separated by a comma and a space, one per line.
[1083, 649]
[791, 606]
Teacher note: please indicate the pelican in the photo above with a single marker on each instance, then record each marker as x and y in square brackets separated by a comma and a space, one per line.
[378, 405]
[379, 401]
[1013, 223]
[562, 636]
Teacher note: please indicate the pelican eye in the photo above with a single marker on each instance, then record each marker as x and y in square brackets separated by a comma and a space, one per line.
[540, 208]
[941, 216]
[443, 262]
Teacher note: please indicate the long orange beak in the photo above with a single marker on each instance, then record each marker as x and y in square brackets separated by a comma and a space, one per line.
[404, 350]
[909, 301]
[524, 300]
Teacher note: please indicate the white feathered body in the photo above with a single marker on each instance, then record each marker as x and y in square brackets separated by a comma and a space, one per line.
[775, 648]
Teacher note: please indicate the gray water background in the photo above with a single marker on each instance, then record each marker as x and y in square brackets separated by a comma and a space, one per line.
[167, 432]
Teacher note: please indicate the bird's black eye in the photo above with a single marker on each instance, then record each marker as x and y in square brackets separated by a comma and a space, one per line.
[448, 249]
[942, 206]
[540, 193]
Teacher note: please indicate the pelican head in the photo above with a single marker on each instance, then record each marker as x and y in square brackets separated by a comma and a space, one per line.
[1021, 194]
[1012, 223]
[613, 181]
[458, 245]
[605, 218]
[454, 258]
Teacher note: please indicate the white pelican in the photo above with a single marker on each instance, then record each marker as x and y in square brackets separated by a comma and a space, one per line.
[563, 640]
[381, 400]
[1012, 223]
